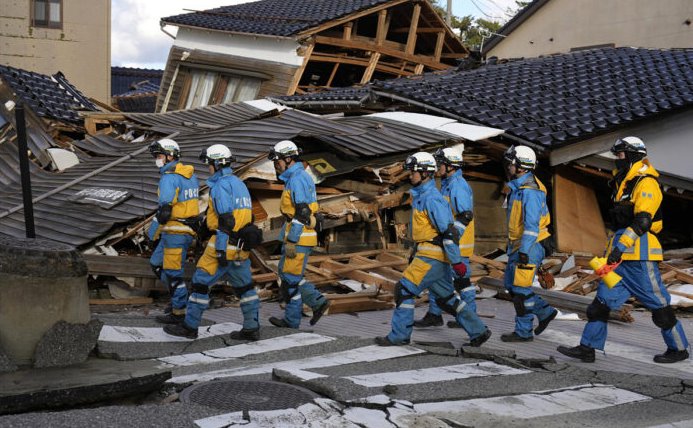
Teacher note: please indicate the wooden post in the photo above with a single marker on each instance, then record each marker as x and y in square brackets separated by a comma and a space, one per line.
[411, 39]
[299, 72]
[375, 56]
[383, 24]
[334, 72]
[439, 45]
[418, 69]
[347, 30]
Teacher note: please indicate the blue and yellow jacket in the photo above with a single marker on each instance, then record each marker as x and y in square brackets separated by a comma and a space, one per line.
[228, 194]
[431, 217]
[298, 188]
[178, 186]
[528, 214]
[640, 190]
[460, 197]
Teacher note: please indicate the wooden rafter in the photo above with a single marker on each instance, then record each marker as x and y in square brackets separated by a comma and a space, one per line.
[299, 72]
[362, 62]
[375, 56]
[383, 24]
[334, 72]
[439, 46]
[353, 16]
[411, 38]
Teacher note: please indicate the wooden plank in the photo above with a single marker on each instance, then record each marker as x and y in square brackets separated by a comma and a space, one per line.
[334, 72]
[365, 304]
[487, 262]
[577, 219]
[357, 273]
[130, 301]
[680, 275]
[419, 69]
[372, 63]
[348, 27]
[387, 272]
[439, 45]
[352, 17]
[383, 24]
[411, 37]
[299, 72]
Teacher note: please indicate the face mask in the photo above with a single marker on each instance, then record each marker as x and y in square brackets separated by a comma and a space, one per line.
[160, 163]
[622, 164]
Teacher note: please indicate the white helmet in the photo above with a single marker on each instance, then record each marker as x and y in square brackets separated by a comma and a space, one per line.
[450, 155]
[629, 145]
[217, 155]
[284, 149]
[421, 161]
[165, 146]
[521, 156]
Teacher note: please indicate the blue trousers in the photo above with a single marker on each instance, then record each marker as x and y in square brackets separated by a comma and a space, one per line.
[300, 291]
[170, 255]
[642, 280]
[436, 276]
[468, 294]
[239, 275]
[527, 304]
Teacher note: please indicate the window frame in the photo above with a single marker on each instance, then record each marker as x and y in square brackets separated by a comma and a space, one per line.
[224, 75]
[48, 24]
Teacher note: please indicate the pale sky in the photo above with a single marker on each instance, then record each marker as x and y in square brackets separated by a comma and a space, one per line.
[137, 40]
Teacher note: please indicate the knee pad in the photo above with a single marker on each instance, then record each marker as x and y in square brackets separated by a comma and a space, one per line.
[200, 288]
[240, 291]
[598, 311]
[664, 318]
[442, 302]
[401, 293]
[519, 303]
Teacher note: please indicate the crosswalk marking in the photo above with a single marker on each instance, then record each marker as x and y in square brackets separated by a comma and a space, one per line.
[111, 333]
[239, 351]
[325, 412]
[358, 355]
[534, 405]
[435, 374]
[611, 348]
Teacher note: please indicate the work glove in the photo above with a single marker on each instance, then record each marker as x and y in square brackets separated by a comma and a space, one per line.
[523, 259]
[460, 269]
[290, 249]
[614, 256]
[221, 259]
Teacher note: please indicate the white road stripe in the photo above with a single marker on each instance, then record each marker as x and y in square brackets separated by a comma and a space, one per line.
[535, 405]
[240, 351]
[680, 424]
[111, 333]
[435, 374]
[358, 355]
[612, 348]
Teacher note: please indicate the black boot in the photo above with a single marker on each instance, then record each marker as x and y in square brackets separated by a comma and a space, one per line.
[170, 318]
[244, 334]
[279, 322]
[581, 352]
[319, 312]
[479, 340]
[384, 341]
[454, 324]
[671, 356]
[514, 337]
[181, 330]
[545, 323]
[429, 320]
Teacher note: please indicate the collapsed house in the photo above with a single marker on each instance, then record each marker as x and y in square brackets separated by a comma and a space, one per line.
[135, 89]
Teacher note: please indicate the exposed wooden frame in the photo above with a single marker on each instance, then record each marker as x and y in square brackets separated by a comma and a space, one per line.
[411, 38]
[299, 72]
[348, 27]
[383, 24]
[375, 56]
[439, 46]
[332, 74]
[352, 17]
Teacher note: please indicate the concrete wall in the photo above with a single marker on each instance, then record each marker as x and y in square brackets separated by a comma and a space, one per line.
[81, 49]
[561, 25]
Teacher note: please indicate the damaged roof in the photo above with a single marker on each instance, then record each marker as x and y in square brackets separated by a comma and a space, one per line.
[49, 96]
[250, 129]
[548, 101]
[127, 79]
[271, 17]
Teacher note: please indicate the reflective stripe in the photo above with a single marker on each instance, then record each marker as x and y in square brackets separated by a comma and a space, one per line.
[200, 300]
[181, 285]
[459, 225]
[470, 288]
[301, 282]
[461, 306]
[228, 247]
[530, 233]
[632, 235]
[657, 251]
[429, 247]
[448, 242]
[655, 284]
[296, 297]
[407, 306]
[629, 250]
[466, 245]
[250, 298]
[294, 221]
[176, 229]
[309, 233]
[529, 304]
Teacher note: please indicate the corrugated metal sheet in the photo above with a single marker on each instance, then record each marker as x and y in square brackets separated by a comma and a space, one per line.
[204, 117]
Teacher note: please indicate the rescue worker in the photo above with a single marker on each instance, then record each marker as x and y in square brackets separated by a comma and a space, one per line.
[458, 193]
[528, 221]
[228, 211]
[299, 205]
[636, 220]
[178, 205]
[437, 247]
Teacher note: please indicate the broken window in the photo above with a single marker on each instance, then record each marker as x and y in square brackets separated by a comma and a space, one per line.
[211, 87]
[47, 13]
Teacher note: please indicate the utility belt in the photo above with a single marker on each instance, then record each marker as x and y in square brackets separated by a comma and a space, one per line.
[194, 223]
